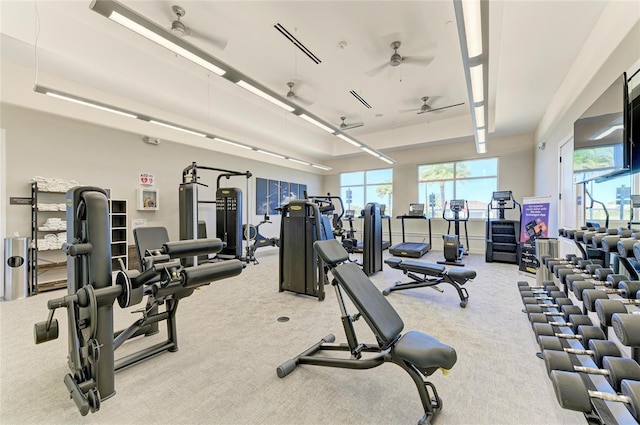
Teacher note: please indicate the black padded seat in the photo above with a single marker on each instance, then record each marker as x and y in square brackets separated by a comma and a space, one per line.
[425, 351]
[422, 267]
[462, 275]
[383, 320]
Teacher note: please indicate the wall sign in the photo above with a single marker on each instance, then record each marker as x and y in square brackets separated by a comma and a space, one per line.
[146, 179]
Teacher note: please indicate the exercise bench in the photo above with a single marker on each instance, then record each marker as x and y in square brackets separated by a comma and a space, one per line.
[417, 353]
[430, 275]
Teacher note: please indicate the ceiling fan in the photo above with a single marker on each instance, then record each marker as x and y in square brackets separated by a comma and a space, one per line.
[345, 126]
[181, 30]
[427, 108]
[396, 59]
[293, 96]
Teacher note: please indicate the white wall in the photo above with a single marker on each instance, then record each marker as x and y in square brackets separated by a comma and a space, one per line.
[41, 144]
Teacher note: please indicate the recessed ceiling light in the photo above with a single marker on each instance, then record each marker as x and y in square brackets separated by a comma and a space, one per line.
[379, 115]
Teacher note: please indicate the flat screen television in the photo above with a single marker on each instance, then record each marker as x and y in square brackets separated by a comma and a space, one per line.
[600, 142]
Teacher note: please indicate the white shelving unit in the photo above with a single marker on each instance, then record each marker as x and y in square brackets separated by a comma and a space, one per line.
[119, 233]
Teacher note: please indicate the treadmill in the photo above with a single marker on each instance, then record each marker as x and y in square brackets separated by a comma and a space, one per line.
[412, 249]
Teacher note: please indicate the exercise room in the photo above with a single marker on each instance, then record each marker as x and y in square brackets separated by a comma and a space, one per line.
[312, 212]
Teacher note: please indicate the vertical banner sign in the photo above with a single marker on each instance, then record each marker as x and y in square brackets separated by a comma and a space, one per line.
[534, 225]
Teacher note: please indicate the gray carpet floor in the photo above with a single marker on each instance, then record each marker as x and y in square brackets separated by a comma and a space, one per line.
[230, 344]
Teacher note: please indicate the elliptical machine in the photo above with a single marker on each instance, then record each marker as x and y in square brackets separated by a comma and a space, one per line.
[252, 233]
[454, 250]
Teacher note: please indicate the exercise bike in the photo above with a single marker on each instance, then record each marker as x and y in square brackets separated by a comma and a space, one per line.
[252, 233]
[454, 250]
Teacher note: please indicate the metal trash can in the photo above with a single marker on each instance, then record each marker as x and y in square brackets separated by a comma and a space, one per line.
[16, 268]
[545, 246]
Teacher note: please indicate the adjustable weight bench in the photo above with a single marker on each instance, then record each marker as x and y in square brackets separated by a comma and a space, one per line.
[429, 274]
[417, 353]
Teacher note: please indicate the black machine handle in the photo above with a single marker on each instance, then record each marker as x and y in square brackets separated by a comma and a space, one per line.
[192, 248]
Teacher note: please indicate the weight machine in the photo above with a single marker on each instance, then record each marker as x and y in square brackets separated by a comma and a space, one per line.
[502, 235]
[228, 204]
[454, 250]
[91, 295]
[251, 233]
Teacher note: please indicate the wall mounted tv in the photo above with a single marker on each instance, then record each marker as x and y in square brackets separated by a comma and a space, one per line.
[633, 129]
[600, 144]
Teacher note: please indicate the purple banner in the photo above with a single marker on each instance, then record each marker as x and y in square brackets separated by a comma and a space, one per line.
[535, 219]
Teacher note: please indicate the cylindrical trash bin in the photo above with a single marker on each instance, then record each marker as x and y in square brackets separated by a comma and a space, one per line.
[16, 268]
[545, 246]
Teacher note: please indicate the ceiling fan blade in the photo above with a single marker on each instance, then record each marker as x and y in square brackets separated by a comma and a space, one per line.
[418, 60]
[302, 101]
[445, 107]
[352, 125]
[404, 111]
[220, 43]
[375, 71]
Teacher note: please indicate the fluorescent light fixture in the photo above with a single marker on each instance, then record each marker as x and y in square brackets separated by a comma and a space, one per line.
[175, 127]
[477, 83]
[387, 160]
[482, 148]
[85, 102]
[277, 155]
[316, 123]
[348, 140]
[479, 112]
[608, 131]
[297, 161]
[482, 136]
[137, 23]
[264, 95]
[473, 27]
[371, 152]
[228, 142]
[322, 167]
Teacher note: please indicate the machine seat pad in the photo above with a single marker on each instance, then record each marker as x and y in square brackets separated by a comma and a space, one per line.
[461, 275]
[422, 267]
[424, 351]
[331, 252]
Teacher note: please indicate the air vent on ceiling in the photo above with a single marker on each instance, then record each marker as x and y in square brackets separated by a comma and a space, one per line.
[357, 96]
[296, 43]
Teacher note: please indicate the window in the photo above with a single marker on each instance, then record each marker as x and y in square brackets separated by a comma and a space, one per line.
[615, 194]
[361, 187]
[472, 180]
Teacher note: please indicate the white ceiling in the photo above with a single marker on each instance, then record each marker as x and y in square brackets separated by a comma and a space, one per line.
[532, 46]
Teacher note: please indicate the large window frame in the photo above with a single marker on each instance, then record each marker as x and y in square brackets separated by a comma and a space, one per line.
[367, 186]
[471, 179]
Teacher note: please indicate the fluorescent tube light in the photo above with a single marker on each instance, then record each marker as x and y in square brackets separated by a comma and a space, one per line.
[228, 142]
[387, 160]
[482, 148]
[370, 152]
[609, 131]
[175, 127]
[479, 112]
[264, 95]
[472, 27]
[348, 140]
[271, 153]
[297, 161]
[87, 103]
[482, 137]
[477, 83]
[316, 123]
[322, 167]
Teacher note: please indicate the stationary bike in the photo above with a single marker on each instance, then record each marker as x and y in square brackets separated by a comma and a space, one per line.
[252, 233]
[454, 250]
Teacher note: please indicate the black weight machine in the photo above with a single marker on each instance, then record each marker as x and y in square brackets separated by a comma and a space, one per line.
[502, 235]
[91, 294]
[228, 204]
[300, 269]
[255, 240]
[454, 250]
